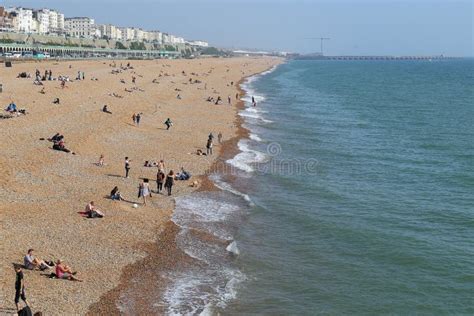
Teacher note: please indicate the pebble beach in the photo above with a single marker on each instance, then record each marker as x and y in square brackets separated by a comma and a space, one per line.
[43, 191]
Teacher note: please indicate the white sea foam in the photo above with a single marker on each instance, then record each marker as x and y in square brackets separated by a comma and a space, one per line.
[232, 248]
[247, 157]
[200, 292]
[227, 187]
[255, 137]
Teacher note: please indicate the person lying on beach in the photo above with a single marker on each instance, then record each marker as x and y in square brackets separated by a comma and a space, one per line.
[115, 194]
[23, 75]
[218, 100]
[150, 163]
[92, 212]
[32, 263]
[106, 110]
[199, 152]
[64, 272]
[37, 83]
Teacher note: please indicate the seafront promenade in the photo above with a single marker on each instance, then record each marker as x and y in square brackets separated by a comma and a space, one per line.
[87, 52]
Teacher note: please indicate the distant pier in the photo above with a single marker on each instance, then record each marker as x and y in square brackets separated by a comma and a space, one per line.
[321, 57]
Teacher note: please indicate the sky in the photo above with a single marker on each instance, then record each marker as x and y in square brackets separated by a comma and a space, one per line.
[365, 27]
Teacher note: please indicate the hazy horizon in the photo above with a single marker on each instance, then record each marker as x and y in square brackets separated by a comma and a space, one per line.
[417, 27]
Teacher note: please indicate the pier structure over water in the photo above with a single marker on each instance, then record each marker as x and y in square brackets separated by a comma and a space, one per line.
[323, 57]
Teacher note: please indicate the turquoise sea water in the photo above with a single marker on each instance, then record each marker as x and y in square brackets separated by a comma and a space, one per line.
[353, 195]
[385, 224]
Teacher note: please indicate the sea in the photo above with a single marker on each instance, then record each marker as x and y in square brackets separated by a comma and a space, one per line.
[352, 195]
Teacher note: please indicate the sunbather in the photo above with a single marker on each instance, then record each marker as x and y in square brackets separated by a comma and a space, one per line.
[32, 263]
[64, 272]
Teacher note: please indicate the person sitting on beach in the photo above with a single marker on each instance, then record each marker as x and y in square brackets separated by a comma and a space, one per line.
[32, 263]
[101, 161]
[60, 146]
[178, 97]
[56, 138]
[218, 100]
[92, 212]
[64, 272]
[115, 194]
[183, 175]
[11, 108]
[106, 110]
[56, 101]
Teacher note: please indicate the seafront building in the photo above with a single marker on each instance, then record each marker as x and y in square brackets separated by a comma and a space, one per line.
[81, 27]
[25, 29]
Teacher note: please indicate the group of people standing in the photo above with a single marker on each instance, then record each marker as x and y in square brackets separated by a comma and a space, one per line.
[162, 180]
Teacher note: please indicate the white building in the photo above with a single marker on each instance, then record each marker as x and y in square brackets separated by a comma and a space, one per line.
[198, 43]
[165, 38]
[127, 33]
[41, 21]
[110, 31]
[178, 40]
[137, 34]
[22, 19]
[156, 37]
[56, 22]
[81, 27]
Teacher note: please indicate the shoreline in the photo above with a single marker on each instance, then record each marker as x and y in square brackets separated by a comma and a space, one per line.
[50, 192]
[175, 259]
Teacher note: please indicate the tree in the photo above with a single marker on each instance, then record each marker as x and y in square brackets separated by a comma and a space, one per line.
[119, 45]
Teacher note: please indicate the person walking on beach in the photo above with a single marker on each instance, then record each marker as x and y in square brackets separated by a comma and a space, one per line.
[137, 118]
[134, 118]
[236, 96]
[229, 100]
[169, 182]
[209, 146]
[19, 288]
[219, 138]
[160, 178]
[127, 166]
[144, 190]
[161, 166]
[168, 123]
